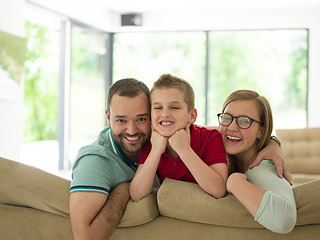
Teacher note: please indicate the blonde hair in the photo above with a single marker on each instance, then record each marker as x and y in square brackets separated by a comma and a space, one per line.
[166, 81]
[265, 115]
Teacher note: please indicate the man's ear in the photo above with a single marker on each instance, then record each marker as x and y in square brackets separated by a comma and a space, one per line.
[193, 116]
[108, 117]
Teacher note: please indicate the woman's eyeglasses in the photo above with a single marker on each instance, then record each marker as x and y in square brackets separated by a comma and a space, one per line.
[243, 122]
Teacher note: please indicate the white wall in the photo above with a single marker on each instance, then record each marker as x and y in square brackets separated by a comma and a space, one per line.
[11, 21]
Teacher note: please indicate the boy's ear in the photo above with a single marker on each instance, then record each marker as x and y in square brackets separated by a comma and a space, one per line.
[193, 116]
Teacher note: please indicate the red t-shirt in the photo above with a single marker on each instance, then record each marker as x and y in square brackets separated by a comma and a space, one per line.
[206, 143]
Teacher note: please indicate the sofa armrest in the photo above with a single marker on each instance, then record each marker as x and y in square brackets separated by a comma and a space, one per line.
[138, 213]
[27, 186]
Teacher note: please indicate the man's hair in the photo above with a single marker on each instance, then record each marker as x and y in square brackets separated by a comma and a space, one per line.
[265, 114]
[127, 87]
[166, 81]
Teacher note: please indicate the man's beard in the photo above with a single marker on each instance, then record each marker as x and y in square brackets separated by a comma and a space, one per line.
[131, 148]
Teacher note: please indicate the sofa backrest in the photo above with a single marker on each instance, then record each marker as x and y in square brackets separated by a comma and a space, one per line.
[301, 148]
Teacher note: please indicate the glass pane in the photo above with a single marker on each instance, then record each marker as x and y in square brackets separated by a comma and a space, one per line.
[146, 56]
[41, 75]
[271, 62]
[87, 88]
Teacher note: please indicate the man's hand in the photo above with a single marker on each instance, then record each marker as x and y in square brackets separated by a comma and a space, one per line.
[273, 152]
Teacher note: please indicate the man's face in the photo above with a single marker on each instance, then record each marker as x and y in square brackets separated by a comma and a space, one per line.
[129, 120]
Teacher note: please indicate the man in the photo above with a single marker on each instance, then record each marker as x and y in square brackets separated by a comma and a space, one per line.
[103, 170]
[112, 159]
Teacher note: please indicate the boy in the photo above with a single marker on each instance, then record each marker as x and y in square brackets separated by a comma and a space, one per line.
[177, 148]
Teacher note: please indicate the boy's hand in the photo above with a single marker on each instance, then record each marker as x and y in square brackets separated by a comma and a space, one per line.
[158, 142]
[180, 140]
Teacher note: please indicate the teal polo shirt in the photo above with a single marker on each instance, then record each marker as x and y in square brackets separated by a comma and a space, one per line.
[101, 166]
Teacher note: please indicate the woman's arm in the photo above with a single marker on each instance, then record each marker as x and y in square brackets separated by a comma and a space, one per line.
[273, 152]
[267, 197]
[248, 194]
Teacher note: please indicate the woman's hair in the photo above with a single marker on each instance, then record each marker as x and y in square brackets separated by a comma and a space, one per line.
[266, 119]
[166, 81]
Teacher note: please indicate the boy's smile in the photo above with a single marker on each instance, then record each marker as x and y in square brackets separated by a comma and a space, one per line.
[169, 111]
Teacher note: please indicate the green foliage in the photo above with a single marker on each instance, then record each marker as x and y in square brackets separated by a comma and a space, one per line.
[296, 84]
[12, 54]
[41, 83]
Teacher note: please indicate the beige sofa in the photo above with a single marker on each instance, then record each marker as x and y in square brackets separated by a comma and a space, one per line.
[34, 205]
[301, 148]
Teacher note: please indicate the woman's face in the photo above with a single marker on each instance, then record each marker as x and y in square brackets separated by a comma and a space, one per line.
[241, 142]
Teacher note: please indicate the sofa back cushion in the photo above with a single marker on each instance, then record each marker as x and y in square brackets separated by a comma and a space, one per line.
[301, 148]
[187, 201]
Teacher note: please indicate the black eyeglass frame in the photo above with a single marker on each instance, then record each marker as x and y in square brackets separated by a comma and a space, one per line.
[232, 117]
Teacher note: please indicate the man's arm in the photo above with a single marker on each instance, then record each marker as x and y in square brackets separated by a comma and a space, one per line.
[273, 152]
[95, 215]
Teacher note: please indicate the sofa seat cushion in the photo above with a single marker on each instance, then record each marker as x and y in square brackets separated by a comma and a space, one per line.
[187, 201]
[28, 223]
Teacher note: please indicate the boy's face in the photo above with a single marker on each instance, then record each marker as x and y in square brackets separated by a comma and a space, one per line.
[169, 111]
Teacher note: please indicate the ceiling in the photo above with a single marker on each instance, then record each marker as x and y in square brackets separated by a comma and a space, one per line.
[122, 6]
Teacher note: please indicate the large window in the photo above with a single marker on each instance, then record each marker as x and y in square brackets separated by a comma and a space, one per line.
[64, 112]
[41, 85]
[88, 88]
[146, 56]
[64, 93]
[271, 62]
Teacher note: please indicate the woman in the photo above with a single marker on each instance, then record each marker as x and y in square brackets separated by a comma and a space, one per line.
[246, 126]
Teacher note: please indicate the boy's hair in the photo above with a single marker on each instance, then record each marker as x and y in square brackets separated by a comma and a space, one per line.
[127, 87]
[265, 114]
[166, 81]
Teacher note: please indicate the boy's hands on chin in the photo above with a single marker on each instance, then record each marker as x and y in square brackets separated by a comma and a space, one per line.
[180, 140]
[158, 141]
